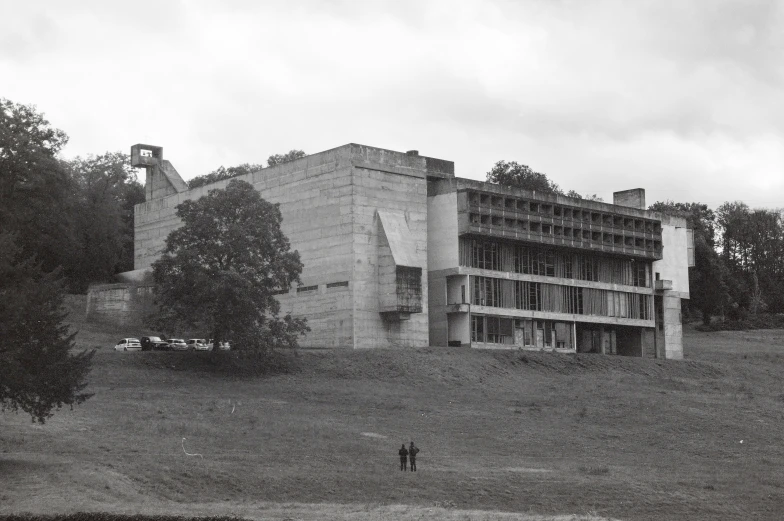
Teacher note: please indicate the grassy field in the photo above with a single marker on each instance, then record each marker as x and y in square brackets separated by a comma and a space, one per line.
[503, 435]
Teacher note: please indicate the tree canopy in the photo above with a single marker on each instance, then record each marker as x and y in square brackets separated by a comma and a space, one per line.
[219, 272]
[107, 192]
[516, 175]
[222, 173]
[291, 155]
[36, 192]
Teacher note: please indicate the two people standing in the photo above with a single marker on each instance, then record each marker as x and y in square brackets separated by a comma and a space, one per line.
[409, 453]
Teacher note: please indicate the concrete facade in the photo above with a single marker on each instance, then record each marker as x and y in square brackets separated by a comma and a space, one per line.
[398, 252]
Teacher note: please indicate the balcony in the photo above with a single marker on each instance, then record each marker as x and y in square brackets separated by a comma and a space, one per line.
[662, 285]
[458, 308]
[546, 223]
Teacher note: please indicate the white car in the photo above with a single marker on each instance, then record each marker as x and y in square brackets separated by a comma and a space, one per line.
[198, 344]
[222, 346]
[177, 344]
[128, 344]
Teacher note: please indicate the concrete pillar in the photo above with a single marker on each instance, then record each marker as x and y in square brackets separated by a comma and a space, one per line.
[673, 328]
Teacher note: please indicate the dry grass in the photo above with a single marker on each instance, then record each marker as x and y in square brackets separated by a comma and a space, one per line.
[503, 436]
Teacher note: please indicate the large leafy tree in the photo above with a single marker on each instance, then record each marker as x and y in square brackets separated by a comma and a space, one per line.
[220, 271]
[521, 176]
[37, 194]
[108, 191]
[38, 372]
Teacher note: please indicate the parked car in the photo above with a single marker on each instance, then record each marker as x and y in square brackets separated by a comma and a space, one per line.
[223, 346]
[154, 343]
[178, 344]
[128, 344]
[198, 344]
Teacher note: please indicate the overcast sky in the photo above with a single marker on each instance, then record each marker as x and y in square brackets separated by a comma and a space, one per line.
[684, 99]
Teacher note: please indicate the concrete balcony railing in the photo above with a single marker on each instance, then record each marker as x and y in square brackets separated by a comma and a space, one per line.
[458, 308]
[662, 285]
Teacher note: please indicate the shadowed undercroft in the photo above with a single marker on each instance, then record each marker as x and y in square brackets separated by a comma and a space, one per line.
[503, 435]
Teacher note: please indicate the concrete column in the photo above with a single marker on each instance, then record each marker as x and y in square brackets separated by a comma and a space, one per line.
[673, 329]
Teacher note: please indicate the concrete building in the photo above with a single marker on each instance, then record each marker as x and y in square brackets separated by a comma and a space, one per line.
[398, 252]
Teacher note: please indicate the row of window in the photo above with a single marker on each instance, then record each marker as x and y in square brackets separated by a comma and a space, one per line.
[313, 288]
[548, 262]
[563, 212]
[574, 234]
[536, 296]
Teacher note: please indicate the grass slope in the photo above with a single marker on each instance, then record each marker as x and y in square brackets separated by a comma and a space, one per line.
[503, 435]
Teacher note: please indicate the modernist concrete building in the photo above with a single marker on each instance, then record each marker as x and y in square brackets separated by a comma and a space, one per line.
[398, 252]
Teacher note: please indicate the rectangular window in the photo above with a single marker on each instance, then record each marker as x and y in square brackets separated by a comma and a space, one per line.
[304, 289]
[342, 284]
[477, 328]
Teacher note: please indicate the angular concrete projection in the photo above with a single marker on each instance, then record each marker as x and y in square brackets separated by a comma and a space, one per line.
[399, 278]
[162, 178]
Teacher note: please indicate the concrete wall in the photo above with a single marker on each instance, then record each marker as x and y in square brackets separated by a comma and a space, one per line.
[674, 264]
[124, 304]
[673, 329]
[315, 194]
[329, 203]
[442, 239]
[436, 306]
[386, 181]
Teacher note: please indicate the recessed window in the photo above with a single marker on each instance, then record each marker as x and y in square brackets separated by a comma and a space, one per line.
[305, 289]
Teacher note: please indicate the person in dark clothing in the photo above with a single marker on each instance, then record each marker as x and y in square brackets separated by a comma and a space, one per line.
[403, 453]
[412, 453]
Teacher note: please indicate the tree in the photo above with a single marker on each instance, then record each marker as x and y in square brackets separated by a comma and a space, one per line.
[36, 191]
[223, 173]
[221, 269]
[108, 191]
[588, 197]
[291, 155]
[521, 176]
[709, 279]
[38, 373]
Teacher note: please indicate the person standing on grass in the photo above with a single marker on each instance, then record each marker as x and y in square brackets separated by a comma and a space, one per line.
[403, 453]
[412, 452]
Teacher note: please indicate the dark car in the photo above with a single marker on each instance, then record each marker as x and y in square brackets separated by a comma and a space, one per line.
[154, 343]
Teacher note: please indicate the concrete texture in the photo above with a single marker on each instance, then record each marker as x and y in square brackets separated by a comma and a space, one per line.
[634, 198]
[121, 303]
[674, 265]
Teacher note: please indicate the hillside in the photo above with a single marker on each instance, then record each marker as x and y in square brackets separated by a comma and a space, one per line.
[528, 433]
